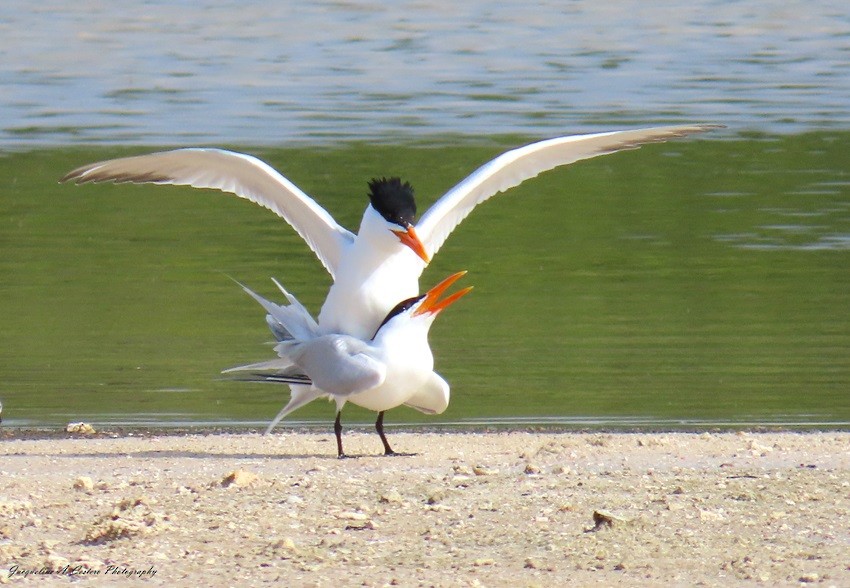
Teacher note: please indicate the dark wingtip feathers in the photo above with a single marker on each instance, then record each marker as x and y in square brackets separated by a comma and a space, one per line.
[90, 175]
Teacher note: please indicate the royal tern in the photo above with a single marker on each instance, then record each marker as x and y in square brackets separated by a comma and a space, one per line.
[392, 368]
[382, 263]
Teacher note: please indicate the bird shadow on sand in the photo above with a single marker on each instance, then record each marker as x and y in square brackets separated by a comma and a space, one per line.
[179, 454]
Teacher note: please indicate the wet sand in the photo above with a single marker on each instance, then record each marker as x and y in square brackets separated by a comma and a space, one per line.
[471, 508]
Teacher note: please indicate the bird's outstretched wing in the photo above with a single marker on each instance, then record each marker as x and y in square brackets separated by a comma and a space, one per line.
[515, 166]
[237, 173]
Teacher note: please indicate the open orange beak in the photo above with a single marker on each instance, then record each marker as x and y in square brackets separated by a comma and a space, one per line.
[411, 239]
[432, 305]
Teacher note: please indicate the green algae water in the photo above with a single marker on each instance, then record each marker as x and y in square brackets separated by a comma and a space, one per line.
[698, 282]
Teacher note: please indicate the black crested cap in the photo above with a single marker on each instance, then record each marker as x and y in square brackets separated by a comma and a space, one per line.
[393, 200]
[398, 309]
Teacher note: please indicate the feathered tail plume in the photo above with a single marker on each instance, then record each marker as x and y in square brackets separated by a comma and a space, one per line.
[290, 325]
[287, 322]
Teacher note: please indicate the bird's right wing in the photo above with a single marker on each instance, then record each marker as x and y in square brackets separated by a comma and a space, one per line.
[432, 397]
[514, 167]
[237, 173]
[338, 364]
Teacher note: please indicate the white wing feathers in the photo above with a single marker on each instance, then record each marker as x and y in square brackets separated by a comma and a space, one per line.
[514, 167]
[254, 180]
[243, 175]
[336, 364]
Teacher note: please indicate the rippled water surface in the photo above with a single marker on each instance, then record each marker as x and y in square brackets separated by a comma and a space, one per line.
[703, 282]
[278, 73]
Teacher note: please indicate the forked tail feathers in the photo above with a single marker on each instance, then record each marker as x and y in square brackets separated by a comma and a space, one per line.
[280, 370]
[287, 323]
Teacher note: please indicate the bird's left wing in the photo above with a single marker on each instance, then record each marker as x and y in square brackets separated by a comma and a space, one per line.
[339, 364]
[237, 173]
[515, 166]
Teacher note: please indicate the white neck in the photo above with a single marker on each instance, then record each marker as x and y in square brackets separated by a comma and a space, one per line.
[374, 274]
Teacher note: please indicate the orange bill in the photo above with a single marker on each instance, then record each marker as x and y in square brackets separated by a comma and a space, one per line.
[411, 239]
[432, 304]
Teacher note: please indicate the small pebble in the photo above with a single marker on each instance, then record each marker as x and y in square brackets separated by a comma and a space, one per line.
[352, 516]
[391, 497]
[80, 429]
[436, 495]
[603, 518]
[708, 515]
[239, 478]
[83, 483]
[285, 544]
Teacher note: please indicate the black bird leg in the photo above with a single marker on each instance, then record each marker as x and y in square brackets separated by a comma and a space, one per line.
[379, 426]
[338, 433]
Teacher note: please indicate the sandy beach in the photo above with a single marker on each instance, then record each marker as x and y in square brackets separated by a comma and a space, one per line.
[468, 509]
